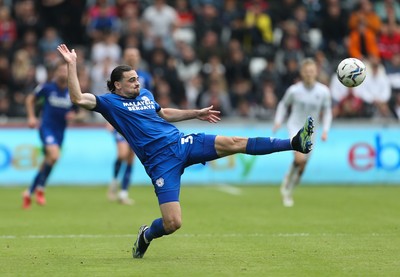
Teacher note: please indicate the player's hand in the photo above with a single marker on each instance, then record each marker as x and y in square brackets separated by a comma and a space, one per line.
[109, 127]
[324, 136]
[69, 56]
[275, 128]
[208, 114]
[70, 116]
[32, 122]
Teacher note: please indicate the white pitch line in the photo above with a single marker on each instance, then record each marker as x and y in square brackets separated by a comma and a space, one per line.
[94, 236]
[229, 189]
[72, 236]
[8, 237]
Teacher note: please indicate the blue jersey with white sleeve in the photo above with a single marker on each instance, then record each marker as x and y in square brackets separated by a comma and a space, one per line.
[55, 107]
[137, 120]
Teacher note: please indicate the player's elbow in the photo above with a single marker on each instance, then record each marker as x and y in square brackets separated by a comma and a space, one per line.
[166, 115]
[78, 101]
[75, 101]
[85, 100]
[29, 100]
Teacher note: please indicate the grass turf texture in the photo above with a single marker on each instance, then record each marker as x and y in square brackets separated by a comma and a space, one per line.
[331, 231]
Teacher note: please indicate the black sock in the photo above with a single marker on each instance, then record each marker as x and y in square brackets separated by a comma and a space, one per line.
[296, 142]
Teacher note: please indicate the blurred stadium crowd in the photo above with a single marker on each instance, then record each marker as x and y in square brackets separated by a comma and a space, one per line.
[240, 56]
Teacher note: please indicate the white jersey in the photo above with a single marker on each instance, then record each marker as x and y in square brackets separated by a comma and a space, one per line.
[304, 102]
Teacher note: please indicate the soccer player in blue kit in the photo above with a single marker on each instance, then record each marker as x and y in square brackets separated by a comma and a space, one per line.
[163, 150]
[56, 111]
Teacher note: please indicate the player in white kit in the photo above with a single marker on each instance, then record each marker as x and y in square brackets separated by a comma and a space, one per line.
[308, 97]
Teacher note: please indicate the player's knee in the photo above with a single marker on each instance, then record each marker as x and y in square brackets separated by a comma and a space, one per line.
[300, 162]
[172, 225]
[127, 159]
[52, 159]
[303, 164]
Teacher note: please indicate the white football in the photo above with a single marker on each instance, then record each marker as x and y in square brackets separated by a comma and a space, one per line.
[351, 72]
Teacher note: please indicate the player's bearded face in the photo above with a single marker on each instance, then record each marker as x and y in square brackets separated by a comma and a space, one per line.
[130, 85]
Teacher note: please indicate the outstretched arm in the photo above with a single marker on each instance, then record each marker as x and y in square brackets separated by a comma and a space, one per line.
[174, 115]
[84, 100]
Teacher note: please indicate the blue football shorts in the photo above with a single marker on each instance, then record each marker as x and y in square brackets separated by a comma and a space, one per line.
[50, 136]
[166, 168]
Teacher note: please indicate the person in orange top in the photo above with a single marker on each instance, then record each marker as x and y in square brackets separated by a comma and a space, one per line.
[365, 14]
[362, 43]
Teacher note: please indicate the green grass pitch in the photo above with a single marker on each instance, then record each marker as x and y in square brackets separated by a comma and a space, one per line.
[227, 231]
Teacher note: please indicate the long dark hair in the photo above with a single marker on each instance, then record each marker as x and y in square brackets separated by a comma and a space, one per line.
[116, 75]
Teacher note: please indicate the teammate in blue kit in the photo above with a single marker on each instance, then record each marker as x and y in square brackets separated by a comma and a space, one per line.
[57, 110]
[164, 151]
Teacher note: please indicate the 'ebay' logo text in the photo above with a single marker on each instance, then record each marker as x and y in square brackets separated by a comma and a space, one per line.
[381, 155]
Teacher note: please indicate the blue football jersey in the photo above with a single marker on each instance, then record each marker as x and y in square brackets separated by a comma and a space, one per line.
[137, 120]
[55, 106]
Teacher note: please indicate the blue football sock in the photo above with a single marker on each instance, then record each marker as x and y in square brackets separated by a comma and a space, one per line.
[117, 167]
[127, 177]
[262, 146]
[156, 230]
[41, 177]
